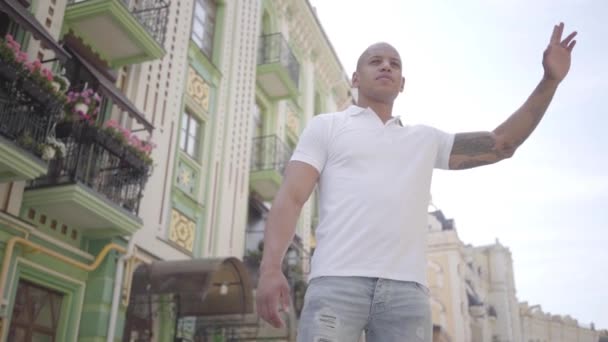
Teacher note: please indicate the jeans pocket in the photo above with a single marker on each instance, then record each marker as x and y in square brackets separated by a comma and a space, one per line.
[423, 289]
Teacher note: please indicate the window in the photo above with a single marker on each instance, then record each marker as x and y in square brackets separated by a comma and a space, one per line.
[190, 135]
[203, 25]
[36, 313]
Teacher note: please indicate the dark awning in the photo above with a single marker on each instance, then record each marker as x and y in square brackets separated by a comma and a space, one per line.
[202, 287]
[27, 20]
[109, 89]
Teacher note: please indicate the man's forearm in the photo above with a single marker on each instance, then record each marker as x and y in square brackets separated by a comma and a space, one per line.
[280, 229]
[518, 127]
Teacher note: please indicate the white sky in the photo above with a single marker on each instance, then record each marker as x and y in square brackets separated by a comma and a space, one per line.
[468, 65]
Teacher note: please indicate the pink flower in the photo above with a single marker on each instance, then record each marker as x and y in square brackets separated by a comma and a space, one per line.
[9, 38]
[29, 66]
[125, 132]
[48, 74]
[134, 141]
[16, 47]
[87, 101]
[112, 124]
[22, 57]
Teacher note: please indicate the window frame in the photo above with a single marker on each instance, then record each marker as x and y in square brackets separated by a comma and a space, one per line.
[207, 31]
[187, 138]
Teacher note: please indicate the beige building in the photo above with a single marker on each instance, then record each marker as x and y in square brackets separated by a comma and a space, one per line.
[473, 294]
[538, 326]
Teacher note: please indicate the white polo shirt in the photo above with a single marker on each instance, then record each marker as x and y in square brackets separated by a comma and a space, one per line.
[374, 190]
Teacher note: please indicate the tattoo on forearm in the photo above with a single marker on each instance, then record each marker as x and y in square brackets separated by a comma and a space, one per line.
[477, 149]
[473, 144]
[468, 164]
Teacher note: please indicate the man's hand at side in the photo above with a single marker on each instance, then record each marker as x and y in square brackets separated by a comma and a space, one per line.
[273, 290]
[272, 296]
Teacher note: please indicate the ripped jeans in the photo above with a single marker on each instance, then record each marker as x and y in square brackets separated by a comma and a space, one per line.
[339, 309]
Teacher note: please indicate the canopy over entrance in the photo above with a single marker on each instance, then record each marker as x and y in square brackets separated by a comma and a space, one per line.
[201, 287]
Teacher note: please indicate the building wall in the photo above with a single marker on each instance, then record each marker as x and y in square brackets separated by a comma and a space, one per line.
[538, 326]
[482, 280]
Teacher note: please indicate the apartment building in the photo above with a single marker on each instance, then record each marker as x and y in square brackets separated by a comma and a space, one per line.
[141, 145]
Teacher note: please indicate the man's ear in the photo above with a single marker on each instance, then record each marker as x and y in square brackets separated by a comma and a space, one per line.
[355, 80]
[402, 83]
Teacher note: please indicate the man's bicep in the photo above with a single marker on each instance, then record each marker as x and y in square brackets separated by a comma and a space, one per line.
[299, 181]
[474, 149]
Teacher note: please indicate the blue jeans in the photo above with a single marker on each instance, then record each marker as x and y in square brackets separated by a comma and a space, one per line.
[339, 309]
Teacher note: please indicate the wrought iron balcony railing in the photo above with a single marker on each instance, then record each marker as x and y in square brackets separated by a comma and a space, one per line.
[151, 14]
[269, 153]
[96, 159]
[27, 111]
[274, 49]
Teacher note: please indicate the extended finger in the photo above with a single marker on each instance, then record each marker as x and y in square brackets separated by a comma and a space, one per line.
[566, 41]
[554, 39]
[263, 310]
[560, 31]
[571, 46]
[273, 312]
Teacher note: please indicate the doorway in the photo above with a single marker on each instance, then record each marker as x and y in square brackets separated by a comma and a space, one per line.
[36, 314]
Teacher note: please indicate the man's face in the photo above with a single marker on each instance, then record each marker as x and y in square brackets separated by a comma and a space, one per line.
[379, 75]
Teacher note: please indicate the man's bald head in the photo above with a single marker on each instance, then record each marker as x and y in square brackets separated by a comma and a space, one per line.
[370, 50]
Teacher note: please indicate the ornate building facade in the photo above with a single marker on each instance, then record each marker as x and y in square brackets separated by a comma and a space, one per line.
[474, 298]
[141, 144]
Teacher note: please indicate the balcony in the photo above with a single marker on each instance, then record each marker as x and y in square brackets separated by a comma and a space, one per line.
[27, 115]
[278, 70]
[121, 32]
[98, 178]
[269, 157]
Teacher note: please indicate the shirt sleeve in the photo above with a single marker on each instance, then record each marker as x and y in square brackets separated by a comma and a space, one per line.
[445, 141]
[313, 143]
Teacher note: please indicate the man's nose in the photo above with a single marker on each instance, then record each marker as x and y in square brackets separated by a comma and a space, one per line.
[385, 66]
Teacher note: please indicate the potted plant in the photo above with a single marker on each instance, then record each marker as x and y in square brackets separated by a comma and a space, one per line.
[37, 81]
[11, 58]
[80, 108]
[129, 146]
[140, 152]
[52, 149]
[115, 137]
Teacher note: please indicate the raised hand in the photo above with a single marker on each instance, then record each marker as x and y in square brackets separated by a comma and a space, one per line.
[556, 59]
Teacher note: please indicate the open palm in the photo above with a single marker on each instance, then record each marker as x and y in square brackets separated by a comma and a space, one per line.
[556, 59]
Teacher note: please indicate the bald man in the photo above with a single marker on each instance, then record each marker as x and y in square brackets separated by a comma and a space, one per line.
[374, 177]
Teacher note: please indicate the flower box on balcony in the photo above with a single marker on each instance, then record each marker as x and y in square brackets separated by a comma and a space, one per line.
[110, 142]
[36, 92]
[132, 158]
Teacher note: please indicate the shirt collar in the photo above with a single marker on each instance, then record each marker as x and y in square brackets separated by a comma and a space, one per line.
[353, 110]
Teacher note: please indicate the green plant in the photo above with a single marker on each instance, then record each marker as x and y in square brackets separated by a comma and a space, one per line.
[52, 149]
[25, 140]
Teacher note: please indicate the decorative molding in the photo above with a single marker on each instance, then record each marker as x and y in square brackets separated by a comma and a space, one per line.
[182, 231]
[198, 89]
